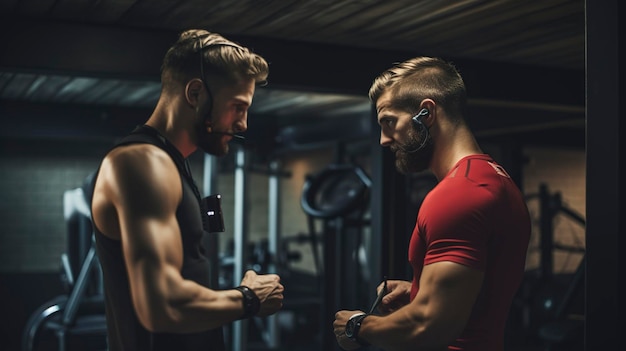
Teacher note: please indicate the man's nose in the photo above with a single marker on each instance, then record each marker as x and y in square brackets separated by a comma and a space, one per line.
[241, 126]
[384, 139]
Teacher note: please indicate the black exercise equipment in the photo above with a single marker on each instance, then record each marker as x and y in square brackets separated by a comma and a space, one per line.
[565, 330]
[551, 305]
[337, 191]
[339, 196]
[76, 318]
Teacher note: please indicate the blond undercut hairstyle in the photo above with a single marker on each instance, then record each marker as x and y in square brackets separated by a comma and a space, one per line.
[221, 58]
[419, 78]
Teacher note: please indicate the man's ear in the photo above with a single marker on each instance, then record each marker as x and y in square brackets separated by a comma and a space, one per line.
[192, 91]
[431, 106]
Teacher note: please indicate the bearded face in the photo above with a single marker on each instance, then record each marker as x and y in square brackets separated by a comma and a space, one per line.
[223, 112]
[410, 158]
[211, 143]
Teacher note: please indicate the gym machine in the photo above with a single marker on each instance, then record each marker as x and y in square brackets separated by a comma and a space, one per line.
[231, 267]
[551, 307]
[77, 318]
[338, 196]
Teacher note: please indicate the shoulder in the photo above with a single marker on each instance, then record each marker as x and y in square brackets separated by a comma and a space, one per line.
[481, 169]
[135, 155]
[462, 194]
[140, 169]
[142, 160]
[474, 175]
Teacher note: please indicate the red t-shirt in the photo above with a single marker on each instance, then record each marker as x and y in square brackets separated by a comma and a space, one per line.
[476, 216]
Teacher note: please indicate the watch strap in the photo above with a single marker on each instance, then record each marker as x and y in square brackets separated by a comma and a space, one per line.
[251, 302]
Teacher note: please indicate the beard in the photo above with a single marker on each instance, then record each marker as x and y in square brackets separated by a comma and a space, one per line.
[417, 161]
[210, 143]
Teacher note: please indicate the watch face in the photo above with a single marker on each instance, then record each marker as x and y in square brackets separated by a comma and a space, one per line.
[350, 328]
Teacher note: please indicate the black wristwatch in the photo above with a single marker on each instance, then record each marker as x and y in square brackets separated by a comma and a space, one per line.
[352, 328]
[251, 302]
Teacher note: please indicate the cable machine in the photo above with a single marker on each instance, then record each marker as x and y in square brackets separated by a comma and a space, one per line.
[237, 334]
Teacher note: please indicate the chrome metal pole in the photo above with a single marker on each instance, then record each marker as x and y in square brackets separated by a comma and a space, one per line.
[272, 334]
[240, 328]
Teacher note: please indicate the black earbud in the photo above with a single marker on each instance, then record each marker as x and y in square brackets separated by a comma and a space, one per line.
[417, 119]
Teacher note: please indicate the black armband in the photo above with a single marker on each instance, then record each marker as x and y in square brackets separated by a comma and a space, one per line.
[251, 302]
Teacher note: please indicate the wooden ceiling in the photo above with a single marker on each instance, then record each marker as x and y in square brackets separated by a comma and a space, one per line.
[523, 60]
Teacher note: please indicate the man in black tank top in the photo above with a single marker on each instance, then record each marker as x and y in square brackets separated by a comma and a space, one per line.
[146, 208]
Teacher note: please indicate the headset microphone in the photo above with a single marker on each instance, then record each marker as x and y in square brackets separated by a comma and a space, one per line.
[237, 136]
[201, 47]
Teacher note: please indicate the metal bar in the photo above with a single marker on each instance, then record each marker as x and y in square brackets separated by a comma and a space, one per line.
[528, 105]
[240, 327]
[573, 215]
[78, 291]
[547, 231]
[273, 333]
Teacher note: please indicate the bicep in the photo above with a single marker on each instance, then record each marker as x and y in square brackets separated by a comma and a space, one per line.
[446, 296]
[148, 191]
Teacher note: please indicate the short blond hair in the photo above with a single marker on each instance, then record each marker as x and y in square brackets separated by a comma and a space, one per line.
[419, 78]
[220, 57]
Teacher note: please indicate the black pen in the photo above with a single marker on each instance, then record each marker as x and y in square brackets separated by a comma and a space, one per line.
[379, 298]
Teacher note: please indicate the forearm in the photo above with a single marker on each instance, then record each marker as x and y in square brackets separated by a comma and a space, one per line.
[406, 329]
[173, 304]
[435, 317]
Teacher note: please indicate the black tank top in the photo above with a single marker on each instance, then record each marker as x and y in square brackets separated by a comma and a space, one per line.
[125, 332]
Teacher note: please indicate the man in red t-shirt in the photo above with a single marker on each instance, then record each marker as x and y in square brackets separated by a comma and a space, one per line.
[468, 248]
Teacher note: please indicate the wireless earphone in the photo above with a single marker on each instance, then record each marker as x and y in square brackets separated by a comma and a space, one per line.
[417, 119]
[422, 131]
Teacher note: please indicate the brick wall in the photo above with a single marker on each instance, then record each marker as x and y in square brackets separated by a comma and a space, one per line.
[32, 226]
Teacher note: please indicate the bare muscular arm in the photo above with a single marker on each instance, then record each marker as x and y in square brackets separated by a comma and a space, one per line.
[432, 320]
[143, 186]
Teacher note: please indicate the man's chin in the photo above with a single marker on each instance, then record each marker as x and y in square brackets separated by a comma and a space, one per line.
[407, 163]
[213, 146]
[215, 150]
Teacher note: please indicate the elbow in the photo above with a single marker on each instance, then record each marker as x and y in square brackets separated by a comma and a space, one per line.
[160, 296]
[153, 326]
[156, 325]
[158, 318]
[430, 336]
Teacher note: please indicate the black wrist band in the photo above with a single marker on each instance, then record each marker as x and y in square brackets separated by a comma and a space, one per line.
[251, 302]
